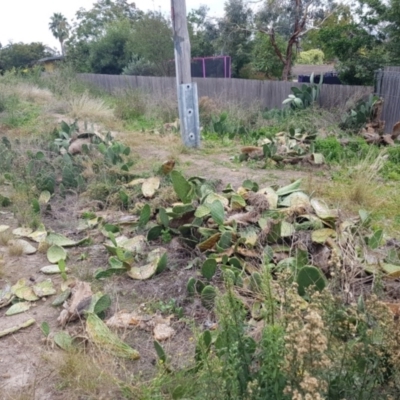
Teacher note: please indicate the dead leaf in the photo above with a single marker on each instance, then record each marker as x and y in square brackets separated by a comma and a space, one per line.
[143, 273]
[209, 243]
[167, 166]
[388, 140]
[124, 319]
[26, 247]
[251, 149]
[372, 138]
[3, 228]
[135, 182]
[80, 300]
[250, 217]
[320, 257]
[23, 232]
[247, 253]
[76, 146]
[16, 328]
[391, 270]
[394, 308]
[23, 291]
[18, 308]
[163, 332]
[396, 130]
[150, 186]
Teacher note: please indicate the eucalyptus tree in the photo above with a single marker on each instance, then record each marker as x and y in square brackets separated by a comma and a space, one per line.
[235, 34]
[203, 32]
[290, 19]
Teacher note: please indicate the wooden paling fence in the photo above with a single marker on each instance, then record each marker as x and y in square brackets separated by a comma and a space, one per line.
[269, 94]
[388, 87]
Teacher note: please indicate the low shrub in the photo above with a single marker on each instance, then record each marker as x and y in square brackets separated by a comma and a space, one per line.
[336, 152]
[313, 56]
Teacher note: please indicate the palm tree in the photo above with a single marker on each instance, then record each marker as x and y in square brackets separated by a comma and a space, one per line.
[59, 28]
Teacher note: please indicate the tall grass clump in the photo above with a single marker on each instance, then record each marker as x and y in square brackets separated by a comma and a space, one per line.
[133, 104]
[295, 349]
[65, 82]
[85, 107]
[33, 93]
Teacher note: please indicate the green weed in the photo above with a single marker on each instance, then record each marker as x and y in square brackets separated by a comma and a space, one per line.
[167, 307]
[334, 151]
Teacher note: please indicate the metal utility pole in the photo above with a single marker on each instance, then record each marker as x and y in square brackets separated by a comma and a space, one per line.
[188, 103]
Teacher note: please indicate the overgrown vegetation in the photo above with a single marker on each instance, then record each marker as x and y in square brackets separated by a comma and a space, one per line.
[287, 289]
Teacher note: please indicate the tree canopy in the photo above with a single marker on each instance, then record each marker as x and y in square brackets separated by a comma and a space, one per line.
[22, 55]
[264, 38]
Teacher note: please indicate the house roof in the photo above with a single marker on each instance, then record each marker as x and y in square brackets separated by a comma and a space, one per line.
[54, 58]
[303, 69]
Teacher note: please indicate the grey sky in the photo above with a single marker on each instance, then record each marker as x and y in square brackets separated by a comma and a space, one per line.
[27, 20]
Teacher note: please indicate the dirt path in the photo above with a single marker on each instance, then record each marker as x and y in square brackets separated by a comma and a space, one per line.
[213, 160]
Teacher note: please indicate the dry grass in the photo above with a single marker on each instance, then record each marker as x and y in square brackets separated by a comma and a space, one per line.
[22, 394]
[28, 92]
[359, 189]
[33, 93]
[362, 188]
[2, 264]
[15, 249]
[131, 104]
[85, 107]
[82, 375]
[5, 236]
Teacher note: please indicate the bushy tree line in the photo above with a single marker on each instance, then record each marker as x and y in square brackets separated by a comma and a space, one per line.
[115, 37]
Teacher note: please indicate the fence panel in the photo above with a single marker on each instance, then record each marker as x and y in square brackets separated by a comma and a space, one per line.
[268, 94]
[388, 87]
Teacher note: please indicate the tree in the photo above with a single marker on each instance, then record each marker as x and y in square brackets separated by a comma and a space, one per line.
[112, 51]
[382, 19]
[92, 36]
[264, 59]
[139, 66]
[60, 29]
[203, 33]
[22, 55]
[235, 34]
[290, 19]
[141, 42]
[314, 39]
[359, 52]
[152, 40]
[90, 24]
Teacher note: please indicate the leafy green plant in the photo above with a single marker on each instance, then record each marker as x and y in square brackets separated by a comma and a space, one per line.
[220, 124]
[209, 268]
[6, 155]
[114, 152]
[45, 328]
[360, 115]
[391, 168]
[64, 133]
[168, 307]
[208, 295]
[334, 151]
[305, 96]
[310, 276]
